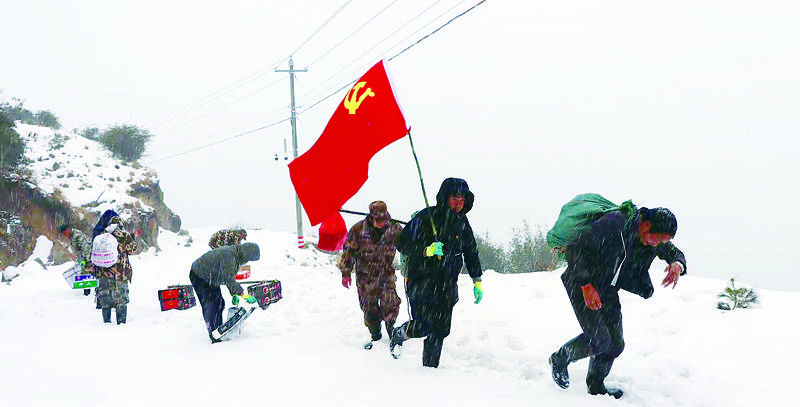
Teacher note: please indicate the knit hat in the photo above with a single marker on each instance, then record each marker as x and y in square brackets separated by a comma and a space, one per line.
[662, 220]
[379, 212]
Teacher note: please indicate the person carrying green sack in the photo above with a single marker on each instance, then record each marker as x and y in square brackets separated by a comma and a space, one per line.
[437, 241]
[217, 267]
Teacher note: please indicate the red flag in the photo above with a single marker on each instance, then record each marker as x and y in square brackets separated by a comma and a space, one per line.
[332, 233]
[335, 168]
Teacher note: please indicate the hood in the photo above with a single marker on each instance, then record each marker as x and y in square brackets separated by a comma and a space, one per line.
[455, 186]
[248, 252]
[102, 224]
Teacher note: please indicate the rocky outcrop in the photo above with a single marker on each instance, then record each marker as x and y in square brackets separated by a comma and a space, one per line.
[28, 212]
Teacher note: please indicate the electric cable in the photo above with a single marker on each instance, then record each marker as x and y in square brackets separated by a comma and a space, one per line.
[219, 141]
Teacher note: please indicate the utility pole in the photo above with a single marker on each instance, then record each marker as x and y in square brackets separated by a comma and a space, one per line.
[300, 242]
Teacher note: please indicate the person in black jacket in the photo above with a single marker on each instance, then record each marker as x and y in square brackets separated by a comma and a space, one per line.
[614, 252]
[434, 262]
[217, 267]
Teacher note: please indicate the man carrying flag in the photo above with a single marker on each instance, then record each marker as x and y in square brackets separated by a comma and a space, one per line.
[335, 167]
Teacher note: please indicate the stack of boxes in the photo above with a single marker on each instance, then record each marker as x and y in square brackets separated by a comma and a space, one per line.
[178, 297]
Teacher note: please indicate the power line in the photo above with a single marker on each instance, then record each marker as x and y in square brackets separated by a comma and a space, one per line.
[219, 141]
[212, 96]
[373, 47]
[353, 33]
[399, 53]
[436, 30]
[321, 27]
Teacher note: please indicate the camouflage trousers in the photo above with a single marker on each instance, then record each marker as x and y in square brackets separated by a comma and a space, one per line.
[378, 299]
[111, 293]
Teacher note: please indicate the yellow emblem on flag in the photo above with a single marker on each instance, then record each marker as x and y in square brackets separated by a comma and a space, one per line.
[352, 101]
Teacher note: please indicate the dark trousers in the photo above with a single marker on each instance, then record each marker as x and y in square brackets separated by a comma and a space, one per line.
[432, 321]
[211, 301]
[601, 339]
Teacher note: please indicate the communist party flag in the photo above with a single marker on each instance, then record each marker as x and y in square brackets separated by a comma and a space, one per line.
[335, 167]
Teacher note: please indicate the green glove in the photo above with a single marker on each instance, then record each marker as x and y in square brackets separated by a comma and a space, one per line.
[247, 297]
[435, 249]
[478, 291]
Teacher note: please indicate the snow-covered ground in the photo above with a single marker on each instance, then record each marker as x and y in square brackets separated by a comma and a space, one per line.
[306, 349]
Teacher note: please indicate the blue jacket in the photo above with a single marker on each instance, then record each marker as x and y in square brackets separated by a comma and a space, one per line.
[609, 255]
[432, 280]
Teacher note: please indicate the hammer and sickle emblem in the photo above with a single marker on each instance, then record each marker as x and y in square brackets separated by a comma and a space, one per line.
[352, 101]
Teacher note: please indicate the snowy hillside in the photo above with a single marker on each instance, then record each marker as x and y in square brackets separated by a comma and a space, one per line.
[82, 170]
[306, 349]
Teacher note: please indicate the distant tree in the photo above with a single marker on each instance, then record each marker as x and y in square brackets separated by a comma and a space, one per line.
[737, 298]
[15, 112]
[90, 132]
[492, 256]
[11, 145]
[520, 250]
[126, 141]
[529, 251]
[47, 119]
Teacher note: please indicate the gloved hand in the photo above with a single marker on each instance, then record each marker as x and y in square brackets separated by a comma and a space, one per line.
[435, 249]
[247, 297]
[591, 297]
[346, 281]
[478, 291]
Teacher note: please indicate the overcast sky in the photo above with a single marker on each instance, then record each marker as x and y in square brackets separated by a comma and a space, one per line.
[692, 105]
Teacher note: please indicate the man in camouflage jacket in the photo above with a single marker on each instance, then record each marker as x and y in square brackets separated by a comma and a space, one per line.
[81, 246]
[369, 251]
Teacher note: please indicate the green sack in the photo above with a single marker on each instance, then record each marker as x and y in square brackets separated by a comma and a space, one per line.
[577, 214]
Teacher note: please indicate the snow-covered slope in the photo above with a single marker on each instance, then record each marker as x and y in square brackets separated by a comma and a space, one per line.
[82, 170]
[306, 349]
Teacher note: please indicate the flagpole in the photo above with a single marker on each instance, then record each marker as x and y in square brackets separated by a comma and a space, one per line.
[421, 182]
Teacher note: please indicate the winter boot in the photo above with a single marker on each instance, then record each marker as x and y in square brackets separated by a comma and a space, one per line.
[559, 362]
[597, 389]
[106, 315]
[122, 314]
[432, 350]
[396, 341]
[375, 336]
[599, 367]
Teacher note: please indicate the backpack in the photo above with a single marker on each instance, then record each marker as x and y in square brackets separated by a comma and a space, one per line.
[105, 250]
[577, 214]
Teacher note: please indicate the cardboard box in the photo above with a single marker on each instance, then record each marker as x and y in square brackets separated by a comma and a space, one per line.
[178, 297]
[244, 272]
[76, 280]
[266, 292]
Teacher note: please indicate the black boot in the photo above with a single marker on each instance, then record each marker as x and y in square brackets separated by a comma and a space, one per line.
[106, 315]
[602, 389]
[599, 367]
[432, 350]
[396, 341]
[559, 362]
[122, 314]
[375, 336]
